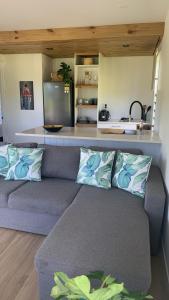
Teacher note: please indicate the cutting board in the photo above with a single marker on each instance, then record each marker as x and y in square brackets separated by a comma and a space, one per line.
[112, 131]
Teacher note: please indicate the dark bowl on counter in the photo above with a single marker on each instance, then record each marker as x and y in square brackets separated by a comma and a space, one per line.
[53, 128]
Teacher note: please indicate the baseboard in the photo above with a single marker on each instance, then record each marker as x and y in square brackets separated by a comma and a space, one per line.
[165, 263]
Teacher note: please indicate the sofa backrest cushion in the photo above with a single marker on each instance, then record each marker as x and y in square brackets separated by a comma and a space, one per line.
[60, 162]
[63, 161]
[25, 145]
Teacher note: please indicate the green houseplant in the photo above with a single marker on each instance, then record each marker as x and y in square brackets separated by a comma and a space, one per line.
[80, 288]
[64, 72]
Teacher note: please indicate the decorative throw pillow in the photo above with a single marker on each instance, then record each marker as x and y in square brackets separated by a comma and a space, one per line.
[131, 172]
[24, 164]
[4, 164]
[95, 168]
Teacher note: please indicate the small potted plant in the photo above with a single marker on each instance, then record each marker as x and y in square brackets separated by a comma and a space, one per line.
[80, 288]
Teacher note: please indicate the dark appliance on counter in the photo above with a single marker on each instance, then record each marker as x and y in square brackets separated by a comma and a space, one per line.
[104, 114]
[58, 105]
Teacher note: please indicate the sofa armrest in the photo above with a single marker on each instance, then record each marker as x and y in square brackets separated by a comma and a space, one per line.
[155, 197]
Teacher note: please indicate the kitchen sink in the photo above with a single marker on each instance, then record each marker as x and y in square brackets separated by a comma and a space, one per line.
[130, 132]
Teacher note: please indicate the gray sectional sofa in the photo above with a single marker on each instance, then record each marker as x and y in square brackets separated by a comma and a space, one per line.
[88, 228]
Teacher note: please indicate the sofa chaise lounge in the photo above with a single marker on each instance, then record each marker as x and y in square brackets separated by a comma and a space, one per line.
[88, 228]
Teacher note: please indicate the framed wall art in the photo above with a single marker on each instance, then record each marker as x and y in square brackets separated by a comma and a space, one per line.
[26, 95]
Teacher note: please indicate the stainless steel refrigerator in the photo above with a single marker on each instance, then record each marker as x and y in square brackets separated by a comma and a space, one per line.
[58, 105]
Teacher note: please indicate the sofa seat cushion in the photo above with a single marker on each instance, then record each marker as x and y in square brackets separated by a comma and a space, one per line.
[50, 196]
[102, 230]
[7, 187]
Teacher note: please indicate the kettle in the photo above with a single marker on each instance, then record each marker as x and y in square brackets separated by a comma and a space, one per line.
[104, 114]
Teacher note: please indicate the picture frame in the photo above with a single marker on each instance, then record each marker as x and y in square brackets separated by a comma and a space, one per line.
[26, 95]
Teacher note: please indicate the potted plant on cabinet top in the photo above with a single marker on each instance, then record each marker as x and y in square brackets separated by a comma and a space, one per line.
[65, 73]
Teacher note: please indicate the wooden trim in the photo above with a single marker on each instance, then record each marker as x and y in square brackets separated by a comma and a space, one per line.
[81, 33]
[87, 54]
[157, 44]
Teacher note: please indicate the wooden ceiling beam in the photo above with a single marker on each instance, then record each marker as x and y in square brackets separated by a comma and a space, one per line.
[40, 36]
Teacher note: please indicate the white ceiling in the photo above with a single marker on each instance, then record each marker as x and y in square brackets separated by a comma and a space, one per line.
[35, 14]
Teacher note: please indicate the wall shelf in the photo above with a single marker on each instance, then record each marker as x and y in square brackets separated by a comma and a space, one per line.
[86, 85]
[88, 106]
[85, 125]
[87, 66]
[81, 59]
[86, 78]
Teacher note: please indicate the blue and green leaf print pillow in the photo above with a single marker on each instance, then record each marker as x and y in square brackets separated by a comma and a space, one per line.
[24, 164]
[95, 168]
[4, 164]
[131, 172]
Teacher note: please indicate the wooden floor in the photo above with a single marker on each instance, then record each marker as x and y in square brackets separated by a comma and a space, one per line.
[18, 276]
[17, 273]
[160, 285]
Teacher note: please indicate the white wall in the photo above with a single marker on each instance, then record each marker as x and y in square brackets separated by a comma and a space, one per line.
[21, 67]
[47, 65]
[123, 80]
[164, 125]
[2, 62]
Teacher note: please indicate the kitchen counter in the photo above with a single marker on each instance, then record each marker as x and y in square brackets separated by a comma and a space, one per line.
[121, 124]
[92, 134]
[134, 121]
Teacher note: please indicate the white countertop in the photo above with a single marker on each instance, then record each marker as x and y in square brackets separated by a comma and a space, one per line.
[92, 134]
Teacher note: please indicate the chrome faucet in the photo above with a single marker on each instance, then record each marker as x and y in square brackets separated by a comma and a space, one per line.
[142, 110]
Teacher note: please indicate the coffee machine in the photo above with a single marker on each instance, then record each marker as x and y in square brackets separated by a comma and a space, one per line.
[104, 114]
